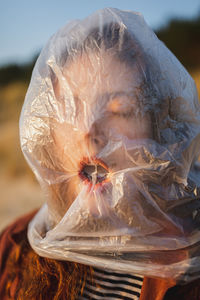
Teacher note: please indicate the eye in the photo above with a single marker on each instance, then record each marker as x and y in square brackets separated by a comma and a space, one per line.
[120, 107]
[115, 106]
[126, 115]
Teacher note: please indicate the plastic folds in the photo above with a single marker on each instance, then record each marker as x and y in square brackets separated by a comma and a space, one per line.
[111, 128]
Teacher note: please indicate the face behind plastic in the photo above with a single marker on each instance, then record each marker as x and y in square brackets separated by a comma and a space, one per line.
[104, 89]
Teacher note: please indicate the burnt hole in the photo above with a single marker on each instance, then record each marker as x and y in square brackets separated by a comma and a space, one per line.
[101, 173]
[87, 171]
[94, 173]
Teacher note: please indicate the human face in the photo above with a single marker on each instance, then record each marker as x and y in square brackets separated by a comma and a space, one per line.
[102, 114]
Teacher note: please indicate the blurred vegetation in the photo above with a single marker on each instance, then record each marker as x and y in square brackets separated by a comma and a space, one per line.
[15, 72]
[182, 37]
[14, 80]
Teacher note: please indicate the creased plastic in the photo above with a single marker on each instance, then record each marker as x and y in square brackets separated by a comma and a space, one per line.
[111, 128]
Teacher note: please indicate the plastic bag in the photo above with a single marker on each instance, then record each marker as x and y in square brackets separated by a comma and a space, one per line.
[111, 128]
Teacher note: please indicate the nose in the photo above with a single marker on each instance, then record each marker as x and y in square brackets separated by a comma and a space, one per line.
[97, 137]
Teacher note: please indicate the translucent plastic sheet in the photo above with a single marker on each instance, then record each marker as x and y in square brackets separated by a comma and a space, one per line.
[111, 128]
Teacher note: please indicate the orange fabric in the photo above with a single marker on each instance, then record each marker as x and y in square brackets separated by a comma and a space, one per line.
[16, 234]
[7, 244]
[155, 289]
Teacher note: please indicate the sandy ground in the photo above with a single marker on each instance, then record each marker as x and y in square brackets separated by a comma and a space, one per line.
[18, 197]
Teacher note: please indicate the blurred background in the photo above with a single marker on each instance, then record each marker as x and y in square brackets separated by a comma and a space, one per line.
[25, 27]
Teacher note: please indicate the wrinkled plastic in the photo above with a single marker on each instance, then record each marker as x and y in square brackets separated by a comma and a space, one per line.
[111, 128]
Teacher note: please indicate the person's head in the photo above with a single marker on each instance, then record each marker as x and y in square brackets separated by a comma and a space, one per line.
[110, 126]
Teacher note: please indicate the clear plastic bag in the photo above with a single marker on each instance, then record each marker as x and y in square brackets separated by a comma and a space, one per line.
[111, 128]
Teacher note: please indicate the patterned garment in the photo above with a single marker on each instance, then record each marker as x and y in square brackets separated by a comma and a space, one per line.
[112, 285]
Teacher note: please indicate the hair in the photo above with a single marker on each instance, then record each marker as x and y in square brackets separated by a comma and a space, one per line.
[112, 36]
[30, 276]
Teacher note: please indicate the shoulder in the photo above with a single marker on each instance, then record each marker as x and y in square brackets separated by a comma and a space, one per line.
[13, 241]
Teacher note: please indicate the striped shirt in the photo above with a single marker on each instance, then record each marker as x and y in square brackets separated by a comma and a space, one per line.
[112, 285]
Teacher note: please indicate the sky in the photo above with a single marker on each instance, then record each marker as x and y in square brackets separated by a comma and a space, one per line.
[26, 25]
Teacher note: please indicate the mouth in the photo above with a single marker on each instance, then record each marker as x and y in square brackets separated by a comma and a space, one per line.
[94, 172]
